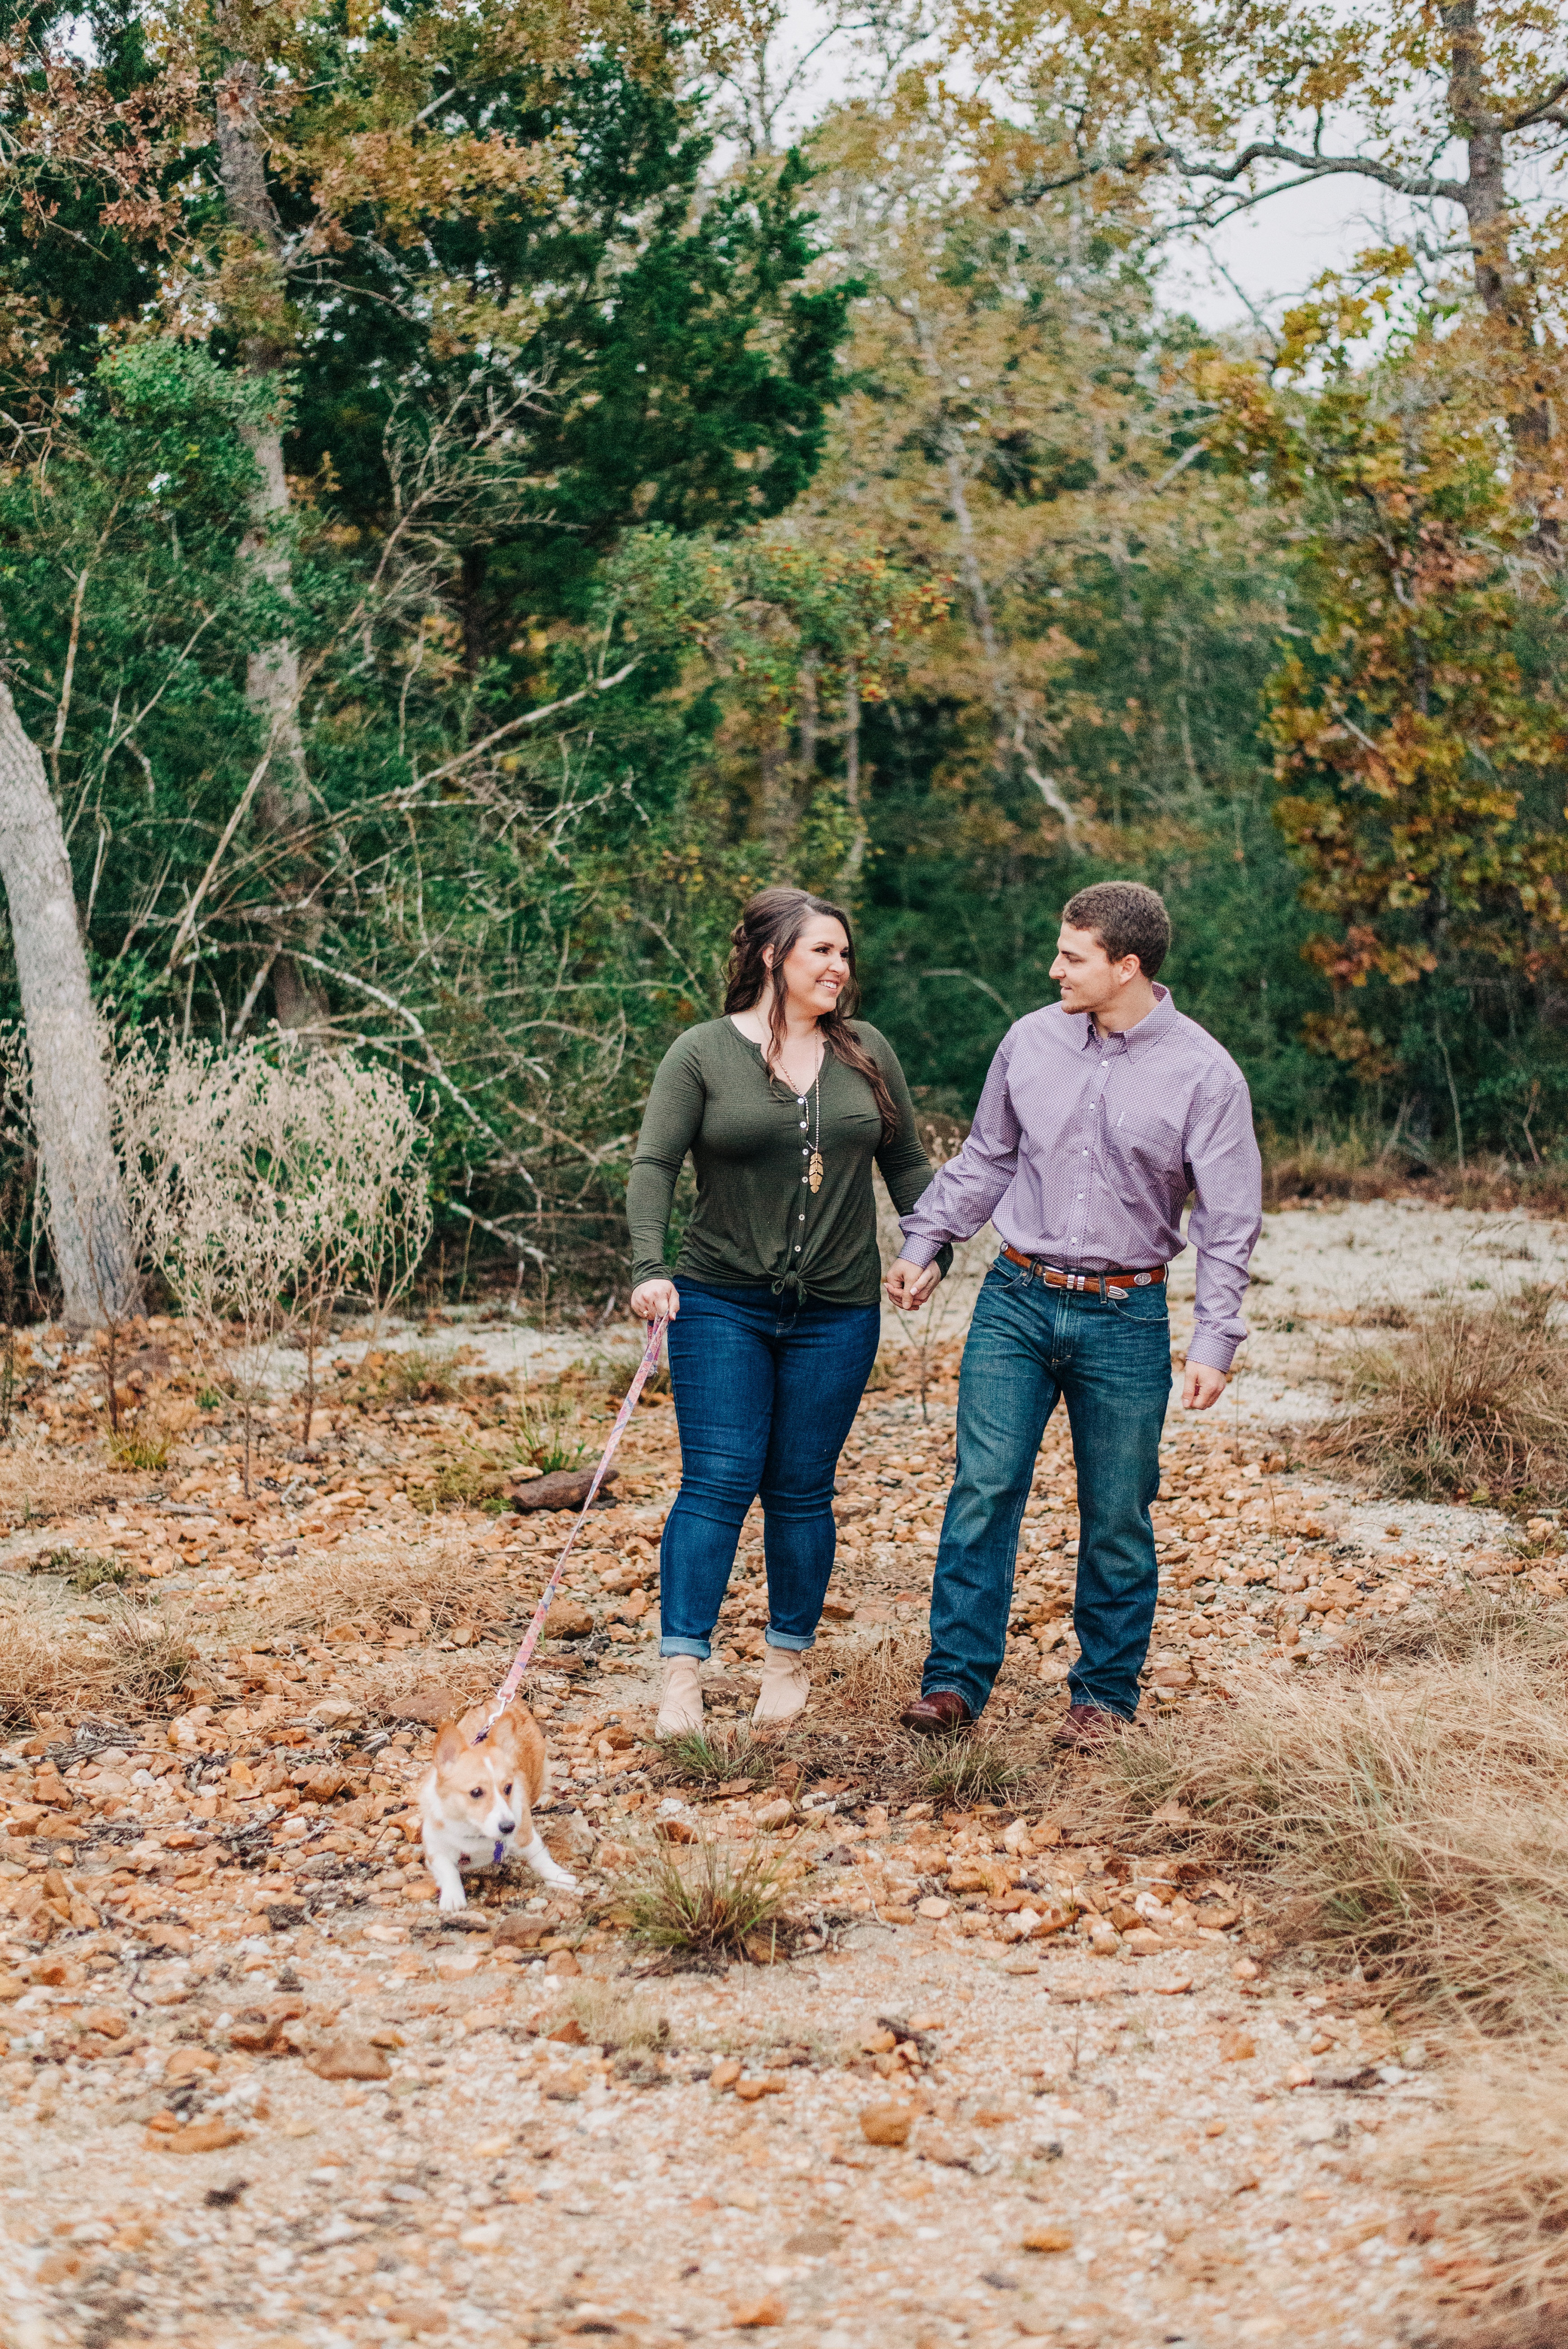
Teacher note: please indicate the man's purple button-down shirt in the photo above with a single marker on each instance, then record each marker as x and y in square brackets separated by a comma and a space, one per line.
[1084, 1149]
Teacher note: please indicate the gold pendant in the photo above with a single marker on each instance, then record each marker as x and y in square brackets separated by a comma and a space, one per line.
[814, 1172]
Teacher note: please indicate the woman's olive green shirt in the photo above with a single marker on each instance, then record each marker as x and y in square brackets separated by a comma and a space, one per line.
[757, 1221]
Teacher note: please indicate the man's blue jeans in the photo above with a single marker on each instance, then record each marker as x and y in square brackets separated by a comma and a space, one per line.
[1028, 1345]
[765, 1392]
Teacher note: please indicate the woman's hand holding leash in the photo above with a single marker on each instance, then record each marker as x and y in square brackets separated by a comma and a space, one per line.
[655, 1301]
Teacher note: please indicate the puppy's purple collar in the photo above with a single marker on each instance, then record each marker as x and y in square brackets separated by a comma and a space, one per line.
[500, 1855]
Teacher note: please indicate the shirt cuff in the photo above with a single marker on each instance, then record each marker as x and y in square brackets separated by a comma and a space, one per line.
[1216, 1352]
[920, 1252]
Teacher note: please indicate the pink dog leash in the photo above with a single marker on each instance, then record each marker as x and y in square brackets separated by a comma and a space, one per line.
[520, 1662]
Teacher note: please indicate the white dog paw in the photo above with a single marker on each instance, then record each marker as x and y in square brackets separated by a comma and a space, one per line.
[450, 1900]
[558, 1878]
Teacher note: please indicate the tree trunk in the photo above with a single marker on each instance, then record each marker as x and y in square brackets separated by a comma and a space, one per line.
[1503, 296]
[271, 672]
[70, 1094]
[856, 858]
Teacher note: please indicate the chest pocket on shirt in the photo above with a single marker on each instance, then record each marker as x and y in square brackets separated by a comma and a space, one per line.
[1140, 1137]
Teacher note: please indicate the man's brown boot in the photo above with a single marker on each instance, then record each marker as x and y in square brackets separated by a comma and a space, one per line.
[1087, 1727]
[938, 1714]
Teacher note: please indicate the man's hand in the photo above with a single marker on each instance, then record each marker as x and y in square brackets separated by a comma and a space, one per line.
[655, 1301]
[909, 1285]
[1201, 1385]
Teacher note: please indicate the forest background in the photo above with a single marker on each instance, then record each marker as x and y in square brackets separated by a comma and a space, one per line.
[479, 498]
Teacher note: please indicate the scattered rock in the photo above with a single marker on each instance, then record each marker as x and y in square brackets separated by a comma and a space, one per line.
[562, 1961]
[428, 1709]
[187, 2063]
[887, 2123]
[200, 2136]
[1237, 2047]
[520, 1932]
[349, 2059]
[569, 1620]
[1048, 2238]
[750, 2315]
[777, 1814]
[563, 1488]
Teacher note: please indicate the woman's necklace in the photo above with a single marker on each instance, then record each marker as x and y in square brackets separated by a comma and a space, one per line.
[814, 1164]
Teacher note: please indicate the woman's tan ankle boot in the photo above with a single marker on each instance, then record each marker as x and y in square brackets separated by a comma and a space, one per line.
[680, 1705]
[786, 1685]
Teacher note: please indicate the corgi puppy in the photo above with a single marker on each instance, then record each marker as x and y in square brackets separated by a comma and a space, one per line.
[476, 1801]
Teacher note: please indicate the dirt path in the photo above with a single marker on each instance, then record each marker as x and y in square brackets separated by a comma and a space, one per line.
[256, 2091]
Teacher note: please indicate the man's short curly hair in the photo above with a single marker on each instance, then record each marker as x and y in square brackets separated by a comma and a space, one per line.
[1126, 918]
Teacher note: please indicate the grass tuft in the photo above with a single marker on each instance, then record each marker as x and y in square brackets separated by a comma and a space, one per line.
[146, 1447]
[1470, 1402]
[968, 1769]
[705, 1907]
[86, 1570]
[709, 1757]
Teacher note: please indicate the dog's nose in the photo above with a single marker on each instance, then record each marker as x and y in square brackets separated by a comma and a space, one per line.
[506, 1826]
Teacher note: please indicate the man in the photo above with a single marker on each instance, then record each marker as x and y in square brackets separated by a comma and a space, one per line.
[1099, 1114]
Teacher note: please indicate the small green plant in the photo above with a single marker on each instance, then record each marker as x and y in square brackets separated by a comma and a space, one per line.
[469, 1479]
[966, 1770]
[705, 1906]
[140, 1447]
[703, 1757]
[85, 1570]
[420, 1374]
[546, 1430]
[210, 1399]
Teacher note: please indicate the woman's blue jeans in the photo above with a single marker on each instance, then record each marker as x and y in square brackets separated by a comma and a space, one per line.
[1029, 1345]
[765, 1392]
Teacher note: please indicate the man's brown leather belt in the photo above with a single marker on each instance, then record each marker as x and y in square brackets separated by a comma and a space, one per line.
[1102, 1284]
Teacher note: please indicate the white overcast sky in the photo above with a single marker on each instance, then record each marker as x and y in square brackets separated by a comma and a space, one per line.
[1263, 259]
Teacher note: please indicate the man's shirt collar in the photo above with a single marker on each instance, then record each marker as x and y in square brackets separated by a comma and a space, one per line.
[1149, 1030]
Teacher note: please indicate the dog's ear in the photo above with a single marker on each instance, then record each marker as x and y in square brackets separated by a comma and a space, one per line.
[449, 1742]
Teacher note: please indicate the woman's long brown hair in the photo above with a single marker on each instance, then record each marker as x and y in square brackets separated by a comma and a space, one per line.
[775, 918]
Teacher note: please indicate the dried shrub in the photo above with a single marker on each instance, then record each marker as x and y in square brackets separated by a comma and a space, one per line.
[46, 1665]
[613, 2018]
[1471, 1400]
[261, 1188]
[705, 1906]
[1415, 1822]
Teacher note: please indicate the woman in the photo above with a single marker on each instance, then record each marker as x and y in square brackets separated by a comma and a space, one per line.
[773, 1308]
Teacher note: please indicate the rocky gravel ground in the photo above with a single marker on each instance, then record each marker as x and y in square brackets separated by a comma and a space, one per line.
[1005, 2081]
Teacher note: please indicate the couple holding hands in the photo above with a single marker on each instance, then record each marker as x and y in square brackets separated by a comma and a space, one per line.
[1099, 1114]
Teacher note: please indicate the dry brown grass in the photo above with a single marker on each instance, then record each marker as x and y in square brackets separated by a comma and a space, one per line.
[1494, 2174]
[1413, 1820]
[1469, 1401]
[430, 1588]
[1322, 1165]
[52, 1660]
